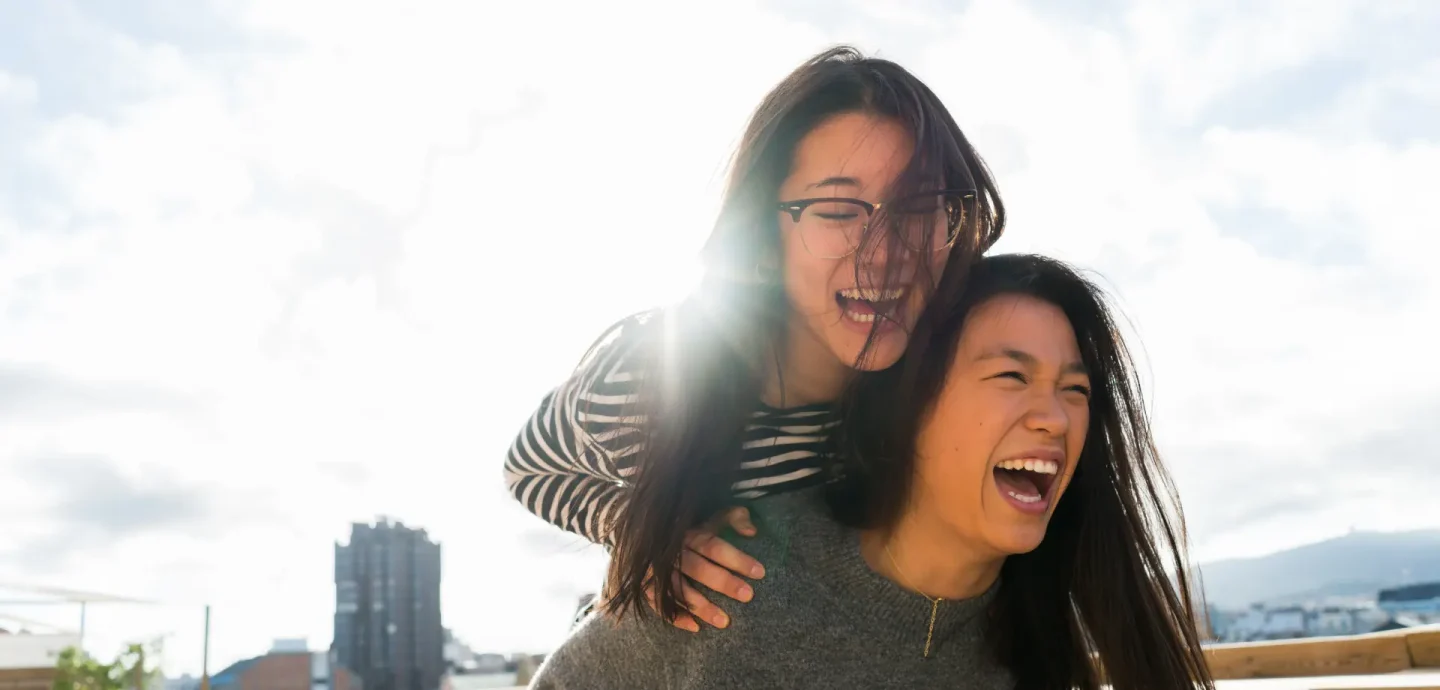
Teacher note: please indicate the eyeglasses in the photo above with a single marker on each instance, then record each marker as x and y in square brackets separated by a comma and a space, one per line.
[926, 223]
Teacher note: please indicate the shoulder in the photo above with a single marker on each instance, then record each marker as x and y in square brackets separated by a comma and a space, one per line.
[794, 509]
[603, 652]
[783, 520]
[618, 347]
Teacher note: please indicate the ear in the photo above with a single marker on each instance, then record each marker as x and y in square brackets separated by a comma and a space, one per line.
[767, 269]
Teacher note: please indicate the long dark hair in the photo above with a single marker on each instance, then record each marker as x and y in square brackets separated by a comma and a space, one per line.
[704, 361]
[1105, 597]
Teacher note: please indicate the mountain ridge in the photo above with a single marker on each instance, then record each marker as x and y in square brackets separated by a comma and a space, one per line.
[1356, 564]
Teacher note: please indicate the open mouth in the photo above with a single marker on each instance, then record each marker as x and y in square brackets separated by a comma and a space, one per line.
[864, 305]
[1027, 481]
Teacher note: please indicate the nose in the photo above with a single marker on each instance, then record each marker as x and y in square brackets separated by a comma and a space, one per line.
[1048, 414]
[882, 249]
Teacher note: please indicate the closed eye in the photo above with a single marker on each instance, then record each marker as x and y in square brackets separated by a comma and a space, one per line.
[1082, 390]
[1011, 375]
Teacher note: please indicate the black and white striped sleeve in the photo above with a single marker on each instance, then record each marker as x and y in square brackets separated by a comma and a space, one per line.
[569, 463]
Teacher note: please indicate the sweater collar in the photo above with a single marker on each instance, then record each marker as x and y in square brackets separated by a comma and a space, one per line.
[830, 553]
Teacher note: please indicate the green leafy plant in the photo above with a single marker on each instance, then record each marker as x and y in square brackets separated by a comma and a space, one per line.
[133, 669]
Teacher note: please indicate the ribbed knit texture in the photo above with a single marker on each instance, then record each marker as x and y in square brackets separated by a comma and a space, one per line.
[821, 618]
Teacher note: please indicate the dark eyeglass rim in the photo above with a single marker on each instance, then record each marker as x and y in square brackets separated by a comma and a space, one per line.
[798, 206]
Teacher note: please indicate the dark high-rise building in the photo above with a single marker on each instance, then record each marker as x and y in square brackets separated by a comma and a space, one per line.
[387, 607]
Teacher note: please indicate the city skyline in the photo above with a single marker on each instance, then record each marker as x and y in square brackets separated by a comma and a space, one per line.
[389, 625]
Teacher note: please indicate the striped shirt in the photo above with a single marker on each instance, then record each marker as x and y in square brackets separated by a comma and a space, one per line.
[571, 463]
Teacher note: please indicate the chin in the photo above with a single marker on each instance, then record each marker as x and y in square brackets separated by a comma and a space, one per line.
[883, 354]
[1019, 540]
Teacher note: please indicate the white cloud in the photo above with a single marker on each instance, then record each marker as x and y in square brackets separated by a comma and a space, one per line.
[17, 90]
[344, 256]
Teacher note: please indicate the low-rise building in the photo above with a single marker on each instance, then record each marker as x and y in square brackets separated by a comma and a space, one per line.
[1417, 601]
[1261, 622]
[27, 660]
[33, 650]
[185, 682]
[491, 663]
[1332, 621]
[286, 669]
[1285, 623]
[459, 658]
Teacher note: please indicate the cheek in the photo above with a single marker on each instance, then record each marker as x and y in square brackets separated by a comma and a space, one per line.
[955, 455]
[919, 297]
[1079, 431]
[950, 485]
[807, 278]
[937, 266]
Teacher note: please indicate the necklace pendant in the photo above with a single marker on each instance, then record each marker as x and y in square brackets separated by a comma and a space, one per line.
[930, 634]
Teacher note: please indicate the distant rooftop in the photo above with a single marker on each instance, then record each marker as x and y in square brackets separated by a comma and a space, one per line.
[1417, 592]
[290, 645]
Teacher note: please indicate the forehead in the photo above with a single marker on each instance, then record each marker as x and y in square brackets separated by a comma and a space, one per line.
[872, 150]
[1019, 323]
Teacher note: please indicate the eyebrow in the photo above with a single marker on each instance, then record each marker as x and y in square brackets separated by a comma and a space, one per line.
[1028, 360]
[835, 181]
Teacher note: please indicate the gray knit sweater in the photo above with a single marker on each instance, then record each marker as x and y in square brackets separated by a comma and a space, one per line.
[821, 618]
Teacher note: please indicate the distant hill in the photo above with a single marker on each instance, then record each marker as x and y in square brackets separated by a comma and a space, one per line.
[1356, 564]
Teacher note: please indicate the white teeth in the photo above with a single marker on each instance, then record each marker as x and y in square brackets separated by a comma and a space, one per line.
[862, 318]
[1023, 498]
[871, 295]
[1031, 465]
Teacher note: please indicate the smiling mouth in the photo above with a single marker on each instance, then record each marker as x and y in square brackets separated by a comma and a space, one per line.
[1027, 480]
[864, 305]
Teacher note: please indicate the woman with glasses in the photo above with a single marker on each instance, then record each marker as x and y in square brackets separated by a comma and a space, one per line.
[1002, 520]
[853, 198]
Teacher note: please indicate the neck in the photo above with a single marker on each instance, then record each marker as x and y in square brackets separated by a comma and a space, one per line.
[929, 558]
[808, 372]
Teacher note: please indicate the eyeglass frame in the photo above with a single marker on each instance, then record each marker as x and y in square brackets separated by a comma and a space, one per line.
[797, 207]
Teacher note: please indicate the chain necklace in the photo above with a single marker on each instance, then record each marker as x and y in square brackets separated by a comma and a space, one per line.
[934, 601]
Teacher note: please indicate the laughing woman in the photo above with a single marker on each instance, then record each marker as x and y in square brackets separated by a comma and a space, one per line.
[1002, 520]
[853, 196]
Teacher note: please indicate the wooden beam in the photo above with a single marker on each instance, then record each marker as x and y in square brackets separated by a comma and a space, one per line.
[26, 678]
[11, 674]
[1379, 687]
[1424, 648]
[1325, 656]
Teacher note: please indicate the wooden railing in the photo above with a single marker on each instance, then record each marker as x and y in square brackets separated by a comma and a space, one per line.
[1353, 662]
[26, 678]
[1371, 654]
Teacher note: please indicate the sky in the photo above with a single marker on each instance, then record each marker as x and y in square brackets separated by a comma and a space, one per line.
[268, 268]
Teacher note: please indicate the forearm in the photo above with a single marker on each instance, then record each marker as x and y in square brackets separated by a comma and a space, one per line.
[578, 504]
[559, 474]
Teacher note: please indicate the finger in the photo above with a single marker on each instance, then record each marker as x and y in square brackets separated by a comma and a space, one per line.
[686, 622]
[702, 570]
[683, 621]
[701, 608]
[739, 519]
[726, 555]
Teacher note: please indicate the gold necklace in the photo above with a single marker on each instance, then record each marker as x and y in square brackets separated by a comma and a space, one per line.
[934, 601]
